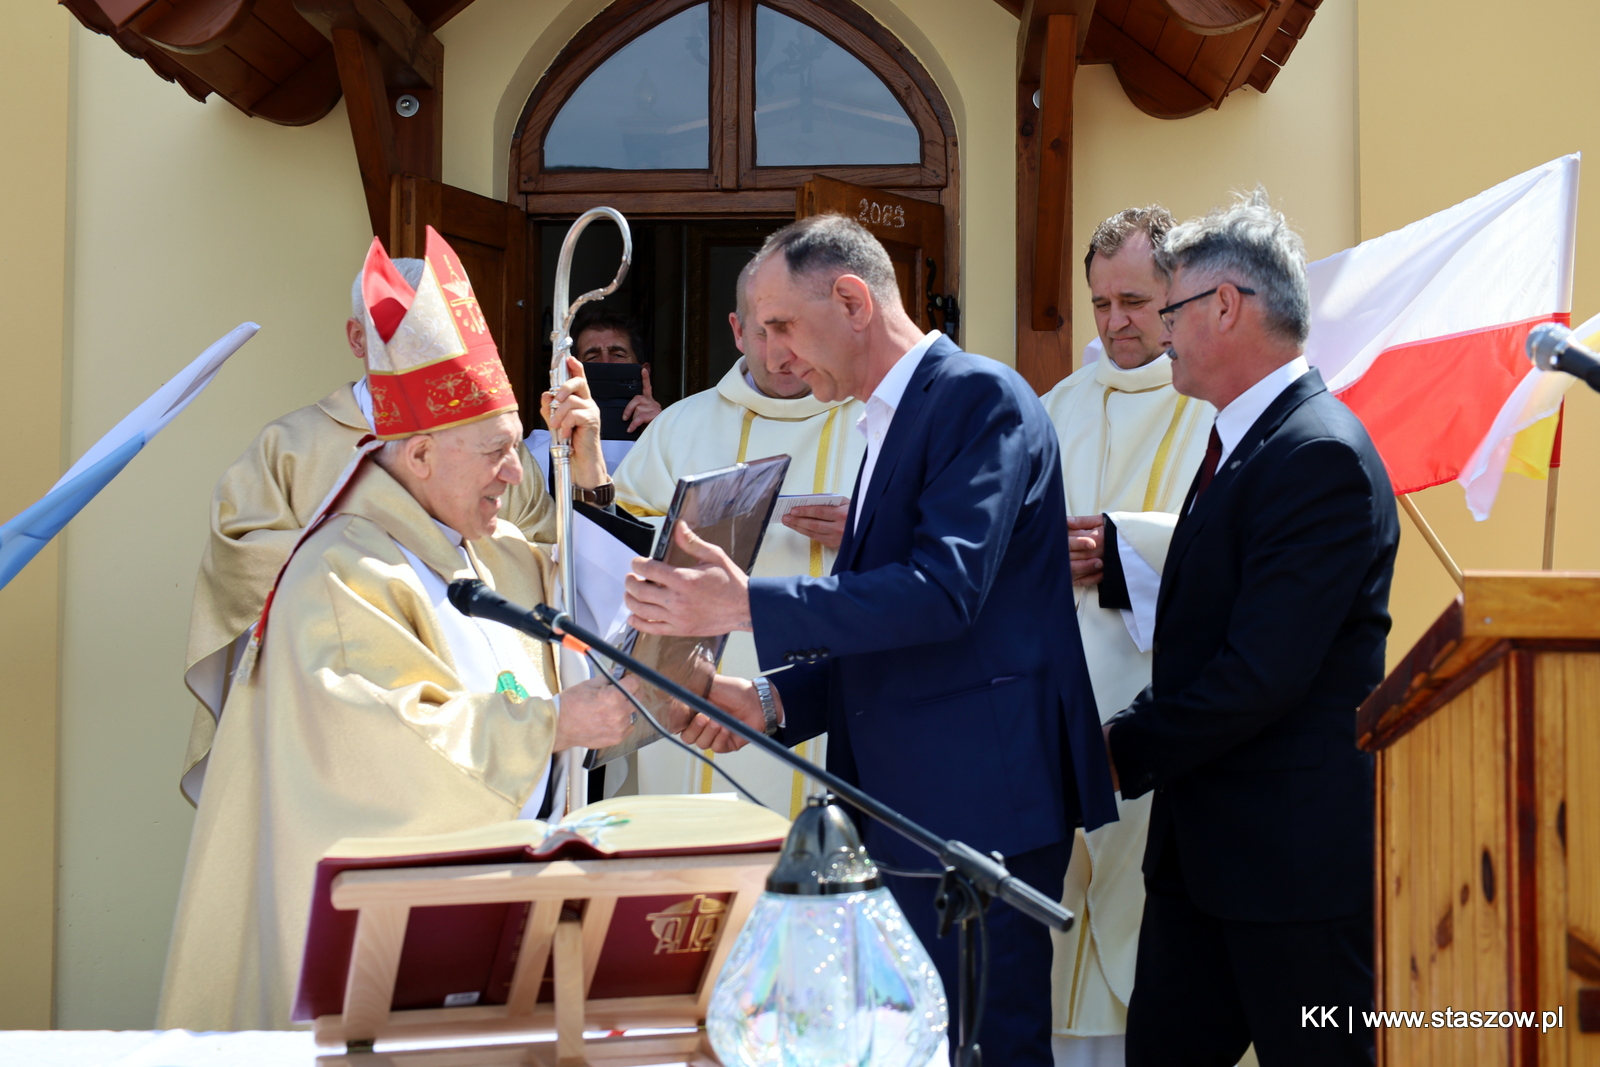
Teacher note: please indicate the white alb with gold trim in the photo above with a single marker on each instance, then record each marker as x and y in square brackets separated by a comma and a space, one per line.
[716, 428]
[1130, 446]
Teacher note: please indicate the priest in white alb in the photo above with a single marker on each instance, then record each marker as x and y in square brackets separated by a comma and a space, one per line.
[752, 413]
[1130, 447]
[263, 501]
[365, 704]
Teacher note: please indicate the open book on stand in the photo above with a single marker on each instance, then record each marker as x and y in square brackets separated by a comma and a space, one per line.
[651, 944]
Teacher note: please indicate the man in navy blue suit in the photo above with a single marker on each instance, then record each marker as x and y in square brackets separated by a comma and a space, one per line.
[942, 655]
[1270, 628]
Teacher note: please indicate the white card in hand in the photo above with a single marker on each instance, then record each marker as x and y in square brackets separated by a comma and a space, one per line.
[809, 500]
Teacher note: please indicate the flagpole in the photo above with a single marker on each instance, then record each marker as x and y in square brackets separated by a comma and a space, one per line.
[1433, 540]
[1550, 489]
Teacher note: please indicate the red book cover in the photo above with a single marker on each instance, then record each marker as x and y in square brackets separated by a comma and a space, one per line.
[461, 955]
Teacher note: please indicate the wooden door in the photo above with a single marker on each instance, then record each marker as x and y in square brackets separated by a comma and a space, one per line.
[491, 237]
[911, 230]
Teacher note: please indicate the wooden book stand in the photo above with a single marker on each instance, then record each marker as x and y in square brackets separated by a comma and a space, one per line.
[572, 904]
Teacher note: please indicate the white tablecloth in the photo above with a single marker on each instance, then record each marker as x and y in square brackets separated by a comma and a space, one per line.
[174, 1048]
[158, 1048]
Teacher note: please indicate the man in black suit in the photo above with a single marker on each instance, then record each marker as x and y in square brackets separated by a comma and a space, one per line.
[1270, 629]
[921, 655]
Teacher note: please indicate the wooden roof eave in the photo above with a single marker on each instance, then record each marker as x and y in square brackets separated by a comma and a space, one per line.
[1176, 58]
[88, 12]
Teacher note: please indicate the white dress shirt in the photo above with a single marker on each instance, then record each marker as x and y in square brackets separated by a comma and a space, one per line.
[1235, 420]
[881, 405]
[481, 648]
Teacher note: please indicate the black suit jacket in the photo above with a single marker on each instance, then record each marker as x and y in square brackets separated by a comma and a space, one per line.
[1270, 631]
[942, 655]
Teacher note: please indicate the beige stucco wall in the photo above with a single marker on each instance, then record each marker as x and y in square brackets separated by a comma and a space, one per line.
[190, 218]
[1457, 95]
[34, 216]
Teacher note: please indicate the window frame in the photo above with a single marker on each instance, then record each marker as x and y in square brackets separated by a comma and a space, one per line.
[732, 183]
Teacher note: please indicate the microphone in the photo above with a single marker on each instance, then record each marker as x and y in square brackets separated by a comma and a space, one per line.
[471, 597]
[1552, 347]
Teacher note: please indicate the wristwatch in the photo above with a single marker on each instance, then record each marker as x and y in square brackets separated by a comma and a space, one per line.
[600, 496]
[769, 706]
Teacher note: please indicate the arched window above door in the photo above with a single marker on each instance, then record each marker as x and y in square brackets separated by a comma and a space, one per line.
[645, 108]
[729, 105]
[817, 104]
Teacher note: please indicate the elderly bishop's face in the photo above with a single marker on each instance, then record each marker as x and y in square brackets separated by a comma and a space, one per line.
[463, 473]
[809, 333]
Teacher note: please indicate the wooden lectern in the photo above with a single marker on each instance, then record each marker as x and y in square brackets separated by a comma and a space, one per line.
[573, 905]
[1487, 738]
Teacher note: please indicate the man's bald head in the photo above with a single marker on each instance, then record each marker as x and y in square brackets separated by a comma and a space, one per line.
[751, 339]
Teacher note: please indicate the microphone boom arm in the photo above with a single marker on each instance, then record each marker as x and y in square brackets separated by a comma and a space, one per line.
[987, 874]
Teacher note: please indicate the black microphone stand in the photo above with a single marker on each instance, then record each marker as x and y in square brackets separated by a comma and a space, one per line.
[970, 879]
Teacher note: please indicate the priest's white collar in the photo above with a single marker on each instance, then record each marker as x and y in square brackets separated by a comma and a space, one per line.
[1156, 374]
[363, 393]
[738, 387]
[1235, 420]
[449, 532]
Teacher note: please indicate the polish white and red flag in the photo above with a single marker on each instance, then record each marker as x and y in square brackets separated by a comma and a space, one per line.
[1421, 331]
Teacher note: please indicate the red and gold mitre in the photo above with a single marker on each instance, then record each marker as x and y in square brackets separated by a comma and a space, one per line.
[431, 363]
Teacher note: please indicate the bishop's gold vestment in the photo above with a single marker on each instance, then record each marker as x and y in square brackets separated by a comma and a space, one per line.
[258, 509]
[352, 723]
[716, 428]
[1130, 447]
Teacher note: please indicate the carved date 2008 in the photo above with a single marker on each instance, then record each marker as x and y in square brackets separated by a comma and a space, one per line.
[890, 218]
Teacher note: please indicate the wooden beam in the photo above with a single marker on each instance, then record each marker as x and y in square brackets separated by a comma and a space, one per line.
[1035, 18]
[415, 58]
[383, 51]
[1051, 305]
[1044, 355]
[366, 101]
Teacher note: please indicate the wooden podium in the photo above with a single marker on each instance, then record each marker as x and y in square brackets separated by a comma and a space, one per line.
[572, 907]
[1487, 738]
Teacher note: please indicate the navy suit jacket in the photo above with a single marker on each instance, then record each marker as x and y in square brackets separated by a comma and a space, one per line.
[1270, 631]
[942, 655]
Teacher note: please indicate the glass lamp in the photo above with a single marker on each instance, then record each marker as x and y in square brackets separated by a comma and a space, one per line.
[826, 972]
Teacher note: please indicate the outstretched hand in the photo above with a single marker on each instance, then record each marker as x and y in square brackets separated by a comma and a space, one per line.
[709, 599]
[736, 696]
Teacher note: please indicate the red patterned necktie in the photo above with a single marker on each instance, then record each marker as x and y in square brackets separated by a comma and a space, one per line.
[1208, 469]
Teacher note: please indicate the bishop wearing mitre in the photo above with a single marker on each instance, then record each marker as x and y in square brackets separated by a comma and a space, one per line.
[263, 502]
[364, 703]
[752, 413]
[1130, 447]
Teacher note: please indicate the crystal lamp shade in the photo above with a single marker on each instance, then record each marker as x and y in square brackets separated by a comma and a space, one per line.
[826, 972]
